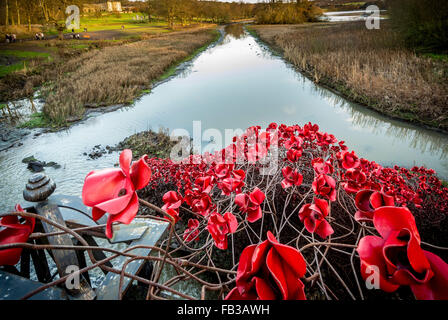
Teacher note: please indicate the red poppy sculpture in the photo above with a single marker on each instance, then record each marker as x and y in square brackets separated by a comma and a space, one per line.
[13, 231]
[349, 160]
[396, 258]
[321, 166]
[172, 201]
[220, 226]
[294, 154]
[354, 180]
[313, 217]
[325, 186]
[234, 182]
[366, 201]
[113, 191]
[291, 178]
[250, 204]
[269, 271]
[199, 202]
[192, 232]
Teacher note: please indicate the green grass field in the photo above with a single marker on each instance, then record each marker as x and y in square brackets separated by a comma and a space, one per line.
[24, 54]
[113, 22]
[24, 57]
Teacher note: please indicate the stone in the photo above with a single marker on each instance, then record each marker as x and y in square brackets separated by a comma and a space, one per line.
[28, 159]
[38, 188]
[35, 166]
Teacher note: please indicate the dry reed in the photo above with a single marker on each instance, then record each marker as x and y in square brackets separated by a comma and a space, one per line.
[372, 67]
[118, 74]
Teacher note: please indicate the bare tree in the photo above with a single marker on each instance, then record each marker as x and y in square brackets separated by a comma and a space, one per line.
[6, 14]
[18, 13]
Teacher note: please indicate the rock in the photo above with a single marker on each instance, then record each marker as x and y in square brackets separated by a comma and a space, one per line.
[38, 188]
[97, 152]
[35, 166]
[29, 159]
[53, 165]
[9, 136]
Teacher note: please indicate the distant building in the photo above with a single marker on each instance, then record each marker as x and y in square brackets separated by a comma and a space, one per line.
[129, 9]
[114, 6]
[92, 8]
[109, 6]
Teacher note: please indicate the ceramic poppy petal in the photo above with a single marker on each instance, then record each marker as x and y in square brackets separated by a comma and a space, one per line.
[102, 185]
[140, 173]
[437, 287]
[324, 229]
[290, 255]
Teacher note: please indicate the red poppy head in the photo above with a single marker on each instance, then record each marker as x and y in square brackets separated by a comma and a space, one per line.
[114, 190]
[294, 154]
[172, 200]
[366, 201]
[14, 231]
[268, 271]
[325, 186]
[350, 160]
[292, 177]
[320, 166]
[399, 258]
[192, 232]
[313, 217]
[220, 226]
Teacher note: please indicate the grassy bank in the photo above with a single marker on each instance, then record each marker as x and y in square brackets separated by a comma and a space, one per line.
[110, 21]
[117, 75]
[372, 67]
[27, 65]
[153, 144]
[80, 74]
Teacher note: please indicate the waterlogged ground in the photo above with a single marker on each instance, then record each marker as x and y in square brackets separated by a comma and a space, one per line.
[234, 84]
[357, 15]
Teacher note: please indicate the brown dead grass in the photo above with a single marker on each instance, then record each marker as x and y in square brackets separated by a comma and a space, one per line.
[23, 83]
[116, 75]
[369, 66]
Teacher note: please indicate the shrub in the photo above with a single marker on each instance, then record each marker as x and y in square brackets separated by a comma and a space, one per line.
[422, 23]
[287, 13]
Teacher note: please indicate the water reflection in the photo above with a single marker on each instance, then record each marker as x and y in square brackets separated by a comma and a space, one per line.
[19, 111]
[235, 30]
[356, 15]
[425, 141]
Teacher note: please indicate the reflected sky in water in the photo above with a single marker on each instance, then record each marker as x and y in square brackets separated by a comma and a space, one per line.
[235, 84]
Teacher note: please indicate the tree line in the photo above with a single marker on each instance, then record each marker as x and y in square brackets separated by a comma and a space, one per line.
[273, 11]
[422, 23]
[27, 12]
[286, 12]
[187, 11]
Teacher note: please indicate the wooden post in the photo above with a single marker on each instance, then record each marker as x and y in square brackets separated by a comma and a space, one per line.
[38, 189]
